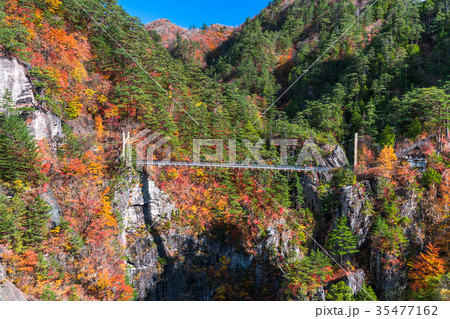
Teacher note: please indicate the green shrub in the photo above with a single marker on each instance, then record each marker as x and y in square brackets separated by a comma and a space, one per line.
[414, 129]
[366, 294]
[431, 177]
[388, 238]
[48, 294]
[342, 177]
[340, 292]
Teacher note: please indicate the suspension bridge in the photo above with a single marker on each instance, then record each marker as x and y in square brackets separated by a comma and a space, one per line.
[321, 169]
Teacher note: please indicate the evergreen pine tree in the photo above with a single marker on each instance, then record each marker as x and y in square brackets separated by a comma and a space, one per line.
[35, 221]
[342, 242]
[18, 154]
[387, 137]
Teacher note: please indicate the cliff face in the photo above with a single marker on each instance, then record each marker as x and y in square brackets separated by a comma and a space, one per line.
[13, 79]
[170, 264]
[8, 291]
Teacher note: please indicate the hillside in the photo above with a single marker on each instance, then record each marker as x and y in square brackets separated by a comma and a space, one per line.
[190, 44]
[81, 220]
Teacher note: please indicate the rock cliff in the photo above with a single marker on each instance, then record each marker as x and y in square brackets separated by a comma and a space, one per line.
[8, 292]
[169, 264]
[14, 80]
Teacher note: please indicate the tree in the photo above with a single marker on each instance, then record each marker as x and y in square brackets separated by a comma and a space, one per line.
[431, 177]
[18, 154]
[23, 220]
[342, 177]
[307, 274]
[342, 242]
[414, 129]
[340, 292]
[387, 137]
[387, 160]
[430, 105]
[366, 294]
[424, 268]
[388, 238]
[35, 221]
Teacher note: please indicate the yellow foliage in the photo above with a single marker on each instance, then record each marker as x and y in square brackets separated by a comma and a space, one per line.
[20, 186]
[79, 73]
[53, 5]
[387, 160]
[102, 99]
[112, 112]
[200, 173]
[107, 210]
[222, 204]
[95, 164]
[89, 93]
[103, 282]
[198, 104]
[172, 173]
[99, 128]
[74, 108]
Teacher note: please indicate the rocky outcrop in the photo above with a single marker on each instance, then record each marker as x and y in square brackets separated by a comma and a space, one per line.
[390, 282]
[355, 281]
[169, 264]
[45, 125]
[141, 202]
[414, 231]
[389, 274]
[8, 291]
[55, 213]
[13, 79]
[336, 158]
[173, 265]
[355, 205]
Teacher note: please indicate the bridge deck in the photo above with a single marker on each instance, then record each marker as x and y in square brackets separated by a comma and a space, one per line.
[235, 165]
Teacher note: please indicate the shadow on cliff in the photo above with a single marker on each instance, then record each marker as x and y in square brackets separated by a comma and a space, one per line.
[211, 266]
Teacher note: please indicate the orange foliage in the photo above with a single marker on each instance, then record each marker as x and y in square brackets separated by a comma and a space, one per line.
[425, 266]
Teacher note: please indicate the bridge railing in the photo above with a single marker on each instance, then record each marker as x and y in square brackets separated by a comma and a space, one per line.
[235, 165]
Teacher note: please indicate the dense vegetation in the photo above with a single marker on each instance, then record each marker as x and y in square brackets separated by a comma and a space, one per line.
[387, 79]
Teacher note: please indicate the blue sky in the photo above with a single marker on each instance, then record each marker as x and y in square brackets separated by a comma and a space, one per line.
[194, 12]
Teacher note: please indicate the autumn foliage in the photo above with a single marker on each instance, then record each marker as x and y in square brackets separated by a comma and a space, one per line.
[426, 266]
